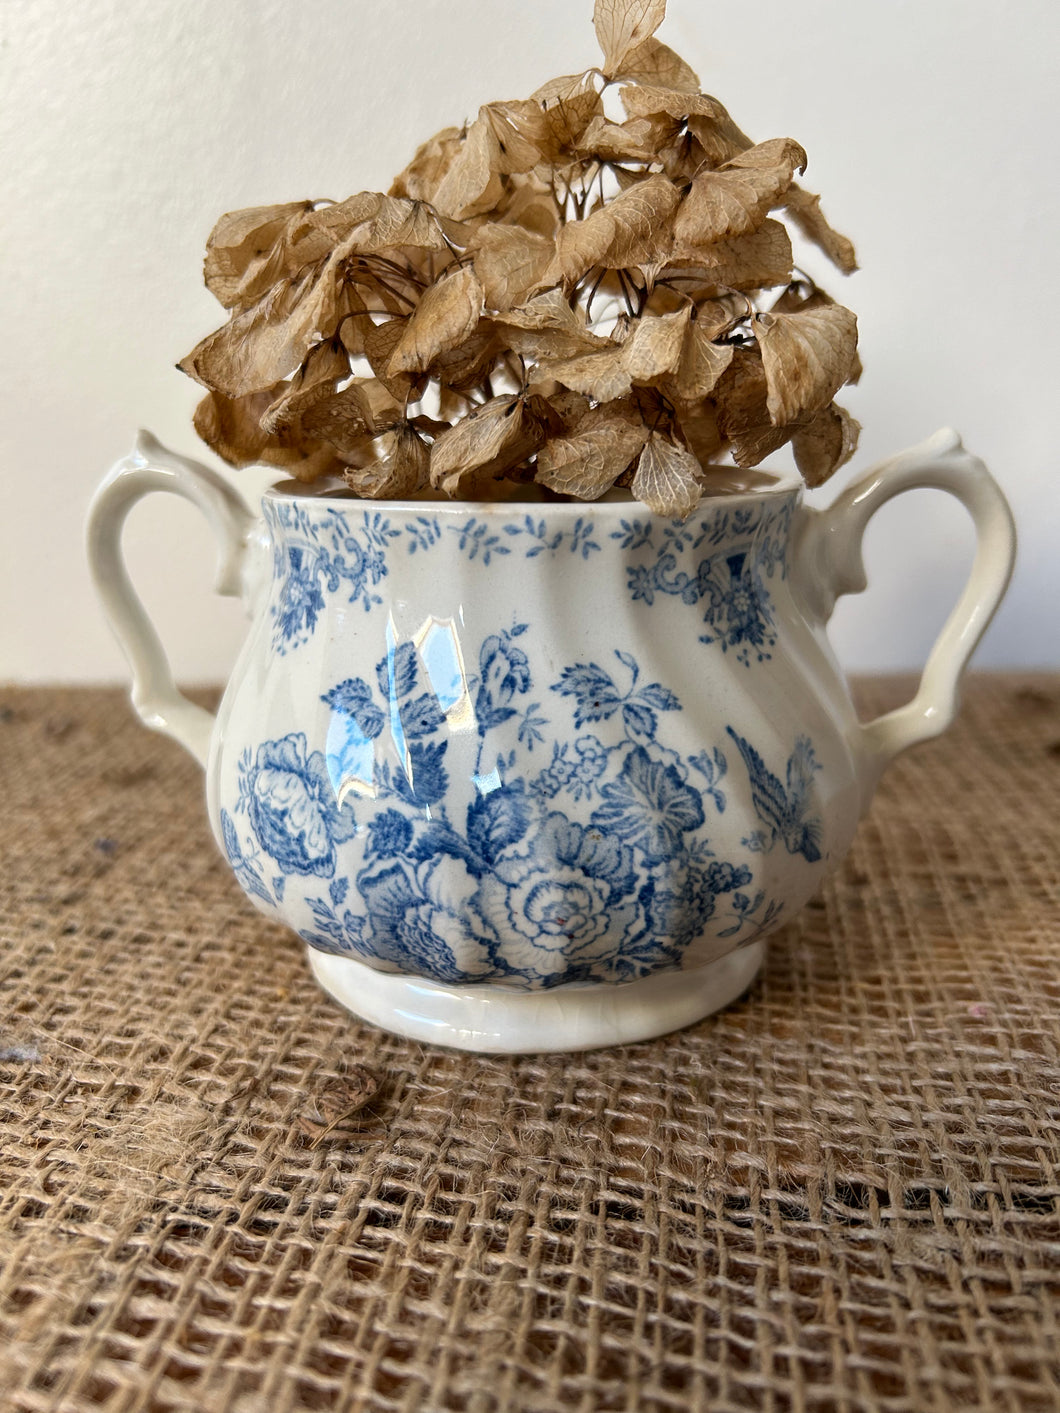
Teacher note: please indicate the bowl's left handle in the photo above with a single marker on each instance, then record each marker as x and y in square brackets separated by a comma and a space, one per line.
[151, 467]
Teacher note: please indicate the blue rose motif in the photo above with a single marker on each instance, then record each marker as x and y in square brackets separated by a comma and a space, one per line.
[567, 902]
[420, 919]
[649, 806]
[292, 807]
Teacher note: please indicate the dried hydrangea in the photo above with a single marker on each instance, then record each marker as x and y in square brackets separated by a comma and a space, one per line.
[589, 288]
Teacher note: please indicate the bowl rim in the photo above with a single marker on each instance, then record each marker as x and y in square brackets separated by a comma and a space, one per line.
[779, 485]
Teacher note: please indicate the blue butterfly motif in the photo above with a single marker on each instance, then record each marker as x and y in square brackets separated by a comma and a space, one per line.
[783, 809]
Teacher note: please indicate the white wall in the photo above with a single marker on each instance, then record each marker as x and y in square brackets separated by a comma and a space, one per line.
[128, 126]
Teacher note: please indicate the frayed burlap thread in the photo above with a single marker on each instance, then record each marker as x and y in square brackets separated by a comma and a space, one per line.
[841, 1193]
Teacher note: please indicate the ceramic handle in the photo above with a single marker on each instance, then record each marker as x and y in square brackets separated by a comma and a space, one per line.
[151, 467]
[832, 565]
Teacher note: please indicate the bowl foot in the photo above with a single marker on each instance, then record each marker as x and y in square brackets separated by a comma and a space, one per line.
[494, 1020]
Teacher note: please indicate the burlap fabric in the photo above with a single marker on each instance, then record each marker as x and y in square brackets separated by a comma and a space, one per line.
[842, 1193]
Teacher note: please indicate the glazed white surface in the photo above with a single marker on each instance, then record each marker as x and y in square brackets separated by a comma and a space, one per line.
[372, 776]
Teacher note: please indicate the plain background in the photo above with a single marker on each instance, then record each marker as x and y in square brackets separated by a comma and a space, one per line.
[128, 126]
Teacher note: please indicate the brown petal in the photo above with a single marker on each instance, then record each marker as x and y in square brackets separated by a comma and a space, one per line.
[344, 419]
[601, 376]
[241, 240]
[736, 198]
[631, 141]
[702, 362]
[667, 478]
[232, 426]
[509, 262]
[760, 259]
[547, 327]
[740, 397]
[492, 439]
[623, 25]
[401, 471]
[807, 356]
[432, 159]
[471, 185]
[653, 63]
[627, 231]
[654, 346]
[521, 130]
[825, 444]
[465, 366]
[261, 345]
[447, 314]
[698, 422]
[398, 222]
[325, 366]
[805, 212]
[587, 463]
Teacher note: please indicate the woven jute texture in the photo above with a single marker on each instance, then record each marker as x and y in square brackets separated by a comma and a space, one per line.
[842, 1193]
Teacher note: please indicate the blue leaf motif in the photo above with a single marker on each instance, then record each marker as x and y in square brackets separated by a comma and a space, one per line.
[639, 721]
[425, 781]
[497, 820]
[401, 665]
[596, 693]
[421, 716]
[649, 806]
[659, 697]
[354, 698]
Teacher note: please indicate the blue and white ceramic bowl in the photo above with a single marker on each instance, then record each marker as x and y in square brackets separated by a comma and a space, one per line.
[540, 776]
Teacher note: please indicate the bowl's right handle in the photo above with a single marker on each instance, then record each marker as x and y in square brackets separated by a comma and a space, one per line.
[829, 563]
[151, 467]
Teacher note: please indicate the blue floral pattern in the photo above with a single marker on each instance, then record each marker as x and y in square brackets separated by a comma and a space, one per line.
[723, 563]
[312, 554]
[594, 865]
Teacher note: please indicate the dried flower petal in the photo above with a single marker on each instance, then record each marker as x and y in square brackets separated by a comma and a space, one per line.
[241, 240]
[805, 211]
[587, 463]
[509, 262]
[760, 259]
[262, 345]
[447, 314]
[806, 356]
[487, 442]
[737, 197]
[667, 478]
[623, 25]
[825, 443]
[653, 63]
[623, 233]
[654, 346]
[324, 367]
[601, 375]
[702, 362]
[547, 327]
[400, 472]
[471, 184]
